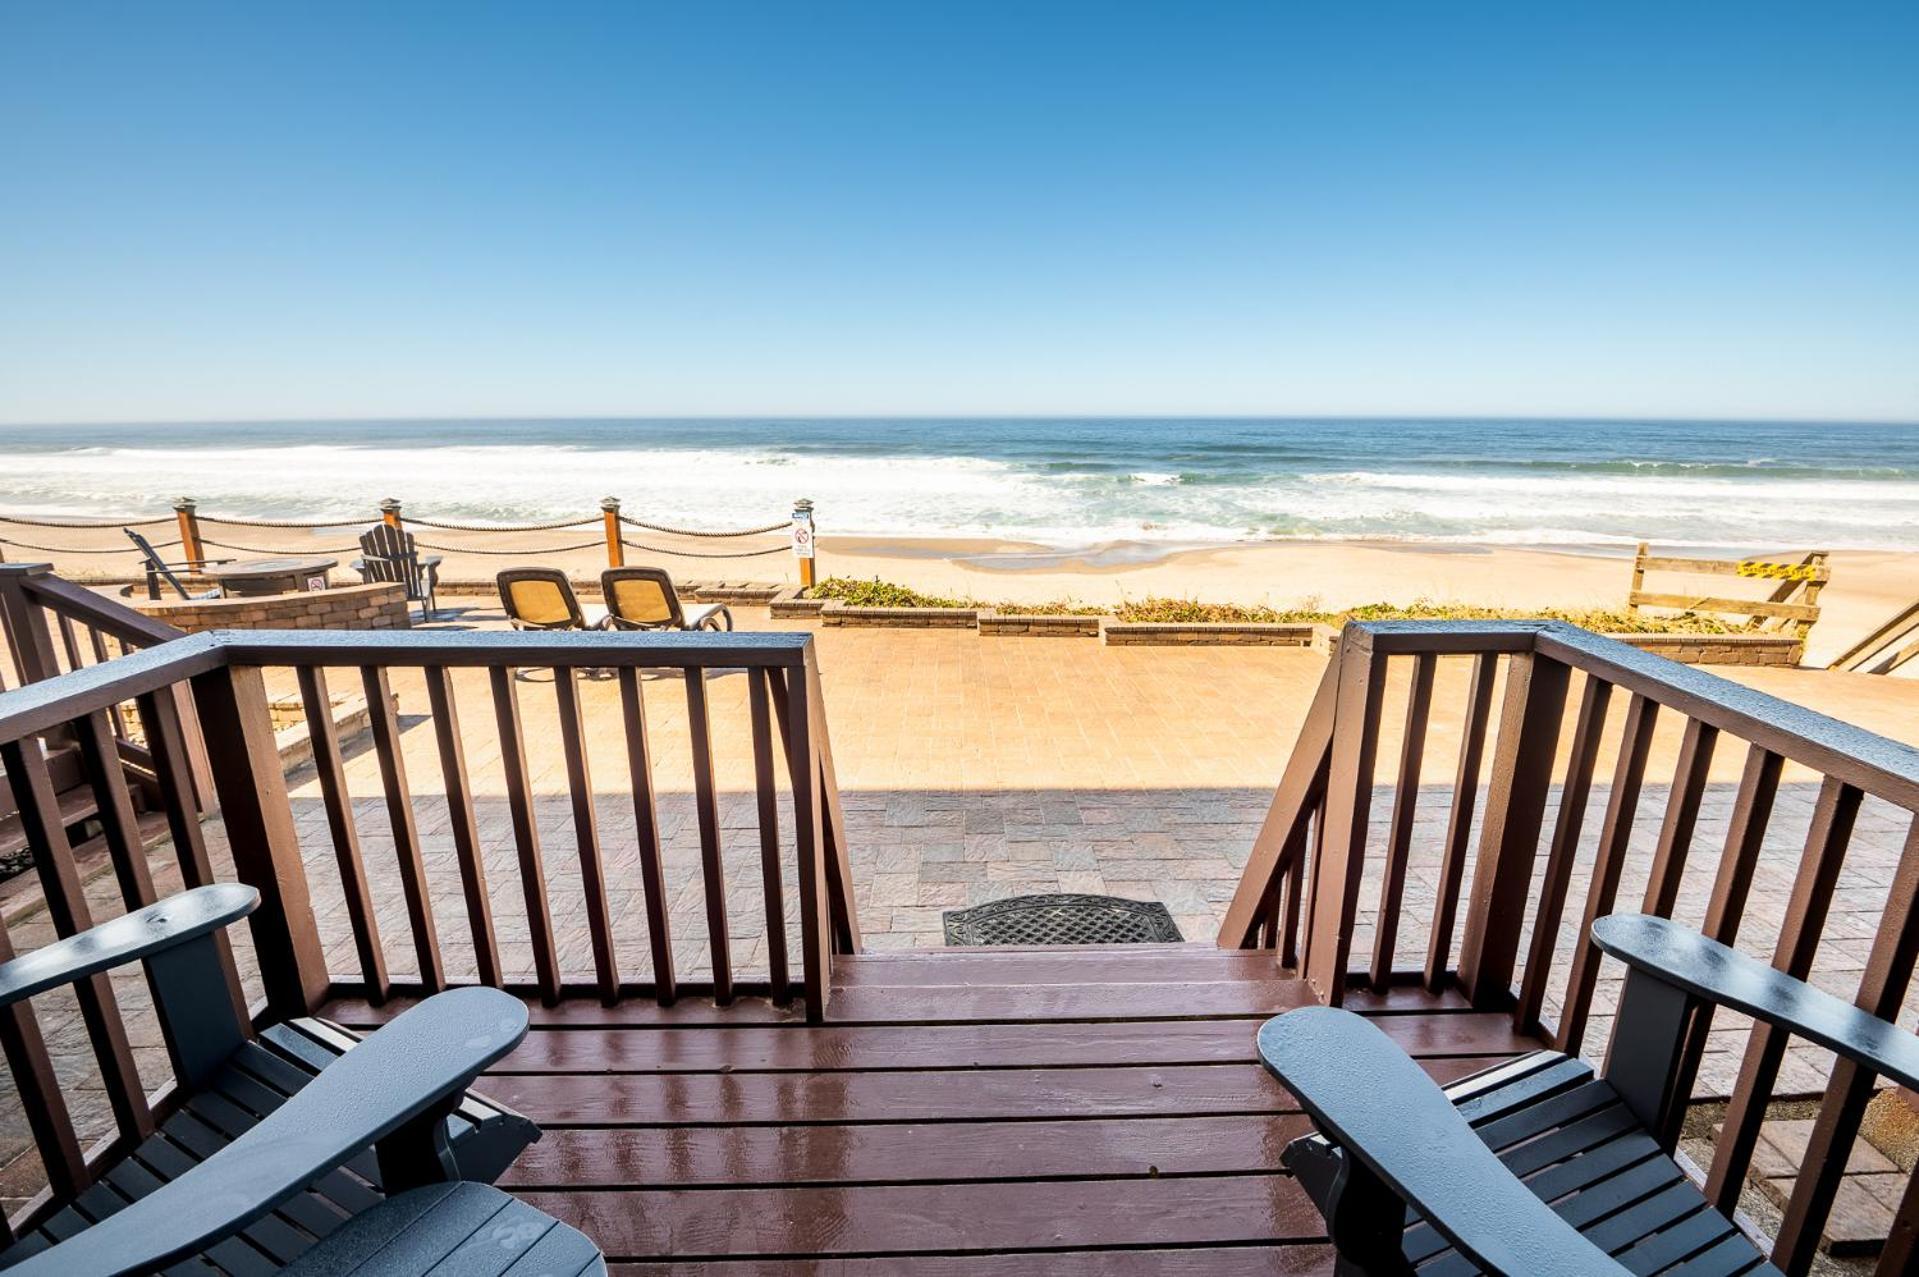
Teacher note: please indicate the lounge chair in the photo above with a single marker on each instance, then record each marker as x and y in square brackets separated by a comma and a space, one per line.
[644, 599]
[388, 553]
[543, 599]
[249, 1193]
[158, 570]
[1390, 1138]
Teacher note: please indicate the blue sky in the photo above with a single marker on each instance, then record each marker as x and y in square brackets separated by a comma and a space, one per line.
[214, 211]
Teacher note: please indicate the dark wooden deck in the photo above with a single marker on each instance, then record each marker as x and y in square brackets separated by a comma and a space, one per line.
[960, 1112]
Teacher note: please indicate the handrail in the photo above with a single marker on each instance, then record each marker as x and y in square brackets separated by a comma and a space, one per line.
[40, 706]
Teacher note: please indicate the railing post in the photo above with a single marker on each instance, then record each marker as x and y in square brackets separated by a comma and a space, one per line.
[25, 623]
[232, 702]
[390, 512]
[615, 549]
[803, 547]
[186, 510]
[1333, 900]
[1509, 837]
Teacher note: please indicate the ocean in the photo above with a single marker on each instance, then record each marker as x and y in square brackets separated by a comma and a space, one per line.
[1058, 482]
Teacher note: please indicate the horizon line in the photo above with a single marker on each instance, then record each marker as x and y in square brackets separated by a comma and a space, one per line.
[774, 418]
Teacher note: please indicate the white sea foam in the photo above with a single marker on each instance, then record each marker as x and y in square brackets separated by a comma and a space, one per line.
[1061, 498]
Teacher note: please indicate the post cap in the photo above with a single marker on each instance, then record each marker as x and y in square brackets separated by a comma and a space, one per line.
[803, 506]
[609, 503]
[183, 503]
[390, 503]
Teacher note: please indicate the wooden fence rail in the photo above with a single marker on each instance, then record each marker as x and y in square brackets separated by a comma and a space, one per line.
[1524, 874]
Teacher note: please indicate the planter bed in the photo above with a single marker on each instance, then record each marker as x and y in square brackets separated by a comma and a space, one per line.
[1012, 624]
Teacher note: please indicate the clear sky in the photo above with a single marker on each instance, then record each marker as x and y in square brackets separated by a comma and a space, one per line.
[331, 209]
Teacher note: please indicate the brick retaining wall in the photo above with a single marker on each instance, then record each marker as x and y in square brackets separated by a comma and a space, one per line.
[381, 606]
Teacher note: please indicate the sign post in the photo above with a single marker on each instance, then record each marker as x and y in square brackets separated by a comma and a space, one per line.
[803, 540]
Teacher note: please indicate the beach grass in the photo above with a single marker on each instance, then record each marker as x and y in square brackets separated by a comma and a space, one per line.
[856, 592]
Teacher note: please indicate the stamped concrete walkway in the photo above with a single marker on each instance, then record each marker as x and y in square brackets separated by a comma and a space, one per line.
[973, 769]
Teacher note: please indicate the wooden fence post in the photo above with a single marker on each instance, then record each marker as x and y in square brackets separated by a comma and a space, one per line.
[1509, 836]
[186, 510]
[232, 702]
[615, 550]
[803, 547]
[390, 512]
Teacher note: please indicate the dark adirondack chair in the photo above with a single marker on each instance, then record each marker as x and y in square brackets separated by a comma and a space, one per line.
[1477, 1161]
[158, 570]
[302, 1145]
[388, 553]
[644, 599]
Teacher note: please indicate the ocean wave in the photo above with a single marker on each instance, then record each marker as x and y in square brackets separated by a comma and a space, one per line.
[1068, 484]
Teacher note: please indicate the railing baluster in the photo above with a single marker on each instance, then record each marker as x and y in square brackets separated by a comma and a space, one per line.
[69, 640]
[1522, 772]
[41, 1100]
[1296, 881]
[173, 766]
[769, 825]
[586, 833]
[1399, 841]
[526, 833]
[40, 819]
[247, 778]
[1571, 819]
[646, 829]
[1882, 992]
[465, 826]
[706, 805]
[838, 865]
[119, 824]
[337, 801]
[1745, 838]
[1615, 836]
[1337, 872]
[1682, 816]
[1459, 821]
[98, 641]
[388, 750]
[802, 760]
[1819, 866]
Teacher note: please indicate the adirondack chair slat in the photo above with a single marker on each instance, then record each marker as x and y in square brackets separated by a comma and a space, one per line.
[228, 1097]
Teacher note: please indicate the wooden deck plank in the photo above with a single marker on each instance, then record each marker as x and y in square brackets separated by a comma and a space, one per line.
[681, 1099]
[598, 1157]
[835, 1048]
[1198, 1261]
[956, 1218]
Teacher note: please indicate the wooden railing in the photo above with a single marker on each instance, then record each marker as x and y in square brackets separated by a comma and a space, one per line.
[1316, 837]
[224, 677]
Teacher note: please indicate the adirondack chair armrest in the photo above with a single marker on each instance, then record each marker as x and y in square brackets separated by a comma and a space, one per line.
[399, 1082]
[141, 934]
[1706, 969]
[1403, 1141]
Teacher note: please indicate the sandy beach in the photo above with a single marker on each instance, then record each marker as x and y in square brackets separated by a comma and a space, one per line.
[1867, 585]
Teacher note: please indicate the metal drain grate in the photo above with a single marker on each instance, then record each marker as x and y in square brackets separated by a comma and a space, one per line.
[1062, 919]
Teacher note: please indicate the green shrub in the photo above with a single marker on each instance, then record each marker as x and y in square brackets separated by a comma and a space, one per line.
[878, 593]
